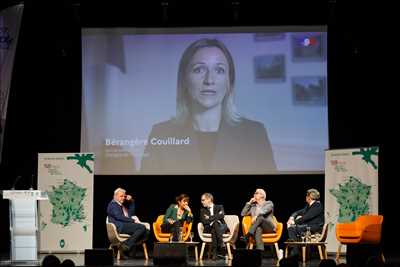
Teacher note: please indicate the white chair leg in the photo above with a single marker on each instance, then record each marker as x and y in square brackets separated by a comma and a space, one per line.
[203, 245]
[276, 250]
[286, 251]
[321, 255]
[338, 252]
[228, 247]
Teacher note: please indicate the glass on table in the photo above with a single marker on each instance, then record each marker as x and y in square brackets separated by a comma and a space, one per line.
[303, 237]
[180, 234]
[317, 237]
[308, 234]
[191, 236]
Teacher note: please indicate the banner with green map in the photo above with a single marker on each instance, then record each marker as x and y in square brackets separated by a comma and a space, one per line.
[66, 220]
[351, 187]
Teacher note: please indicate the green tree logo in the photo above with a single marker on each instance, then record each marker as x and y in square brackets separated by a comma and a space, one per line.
[366, 155]
[82, 159]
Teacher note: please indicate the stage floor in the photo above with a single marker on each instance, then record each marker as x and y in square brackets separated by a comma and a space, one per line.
[78, 259]
[393, 259]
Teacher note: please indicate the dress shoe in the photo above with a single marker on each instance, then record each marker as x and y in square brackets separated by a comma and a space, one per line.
[123, 252]
[222, 251]
[132, 253]
[245, 238]
[221, 256]
[124, 248]
[214, 255]
[122, 256]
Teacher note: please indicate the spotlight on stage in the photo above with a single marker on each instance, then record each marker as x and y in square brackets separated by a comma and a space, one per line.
[164, 9]
[235, 10]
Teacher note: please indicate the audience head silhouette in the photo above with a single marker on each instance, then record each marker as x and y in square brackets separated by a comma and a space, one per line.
[327, 263]
[288, 262]
[51, 261]
[68, 263]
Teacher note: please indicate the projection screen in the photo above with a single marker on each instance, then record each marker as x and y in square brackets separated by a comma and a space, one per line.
[249, 100]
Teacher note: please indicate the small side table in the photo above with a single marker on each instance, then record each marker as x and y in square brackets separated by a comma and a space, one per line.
[194, 244]
[321, 248]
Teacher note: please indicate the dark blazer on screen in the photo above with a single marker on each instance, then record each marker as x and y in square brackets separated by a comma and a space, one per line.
[240, 149]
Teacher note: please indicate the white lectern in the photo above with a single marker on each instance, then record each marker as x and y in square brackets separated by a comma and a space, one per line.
[24, 223]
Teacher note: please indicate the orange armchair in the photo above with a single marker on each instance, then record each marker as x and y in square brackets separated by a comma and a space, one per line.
[268, 239]
[365, 230]
[164, 237]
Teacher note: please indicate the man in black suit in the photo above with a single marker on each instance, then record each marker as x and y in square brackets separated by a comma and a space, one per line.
[312, 215]
[212, 218]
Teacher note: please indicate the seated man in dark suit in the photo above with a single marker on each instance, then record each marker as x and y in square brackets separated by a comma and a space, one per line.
[312, 215]
[212, 217]
[121, 211]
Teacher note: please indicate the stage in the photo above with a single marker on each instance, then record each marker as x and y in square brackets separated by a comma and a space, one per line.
[392, 259]
[78, 259]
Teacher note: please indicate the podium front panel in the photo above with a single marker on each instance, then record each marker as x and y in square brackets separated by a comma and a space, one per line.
[23, 226]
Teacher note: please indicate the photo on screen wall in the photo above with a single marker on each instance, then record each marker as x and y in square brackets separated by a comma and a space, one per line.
[269, 68]
[268, 36]
[309, 91]
[308, 47]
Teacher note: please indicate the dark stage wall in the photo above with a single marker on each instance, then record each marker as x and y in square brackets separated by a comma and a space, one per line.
[44, 108]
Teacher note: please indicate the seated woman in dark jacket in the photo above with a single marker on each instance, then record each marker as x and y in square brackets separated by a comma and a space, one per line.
[176, 215]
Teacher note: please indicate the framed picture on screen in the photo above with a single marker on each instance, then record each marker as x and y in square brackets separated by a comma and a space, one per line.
[269, 68]
[309, 91]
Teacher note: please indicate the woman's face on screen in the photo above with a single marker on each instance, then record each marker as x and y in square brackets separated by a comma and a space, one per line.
[207, 77]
